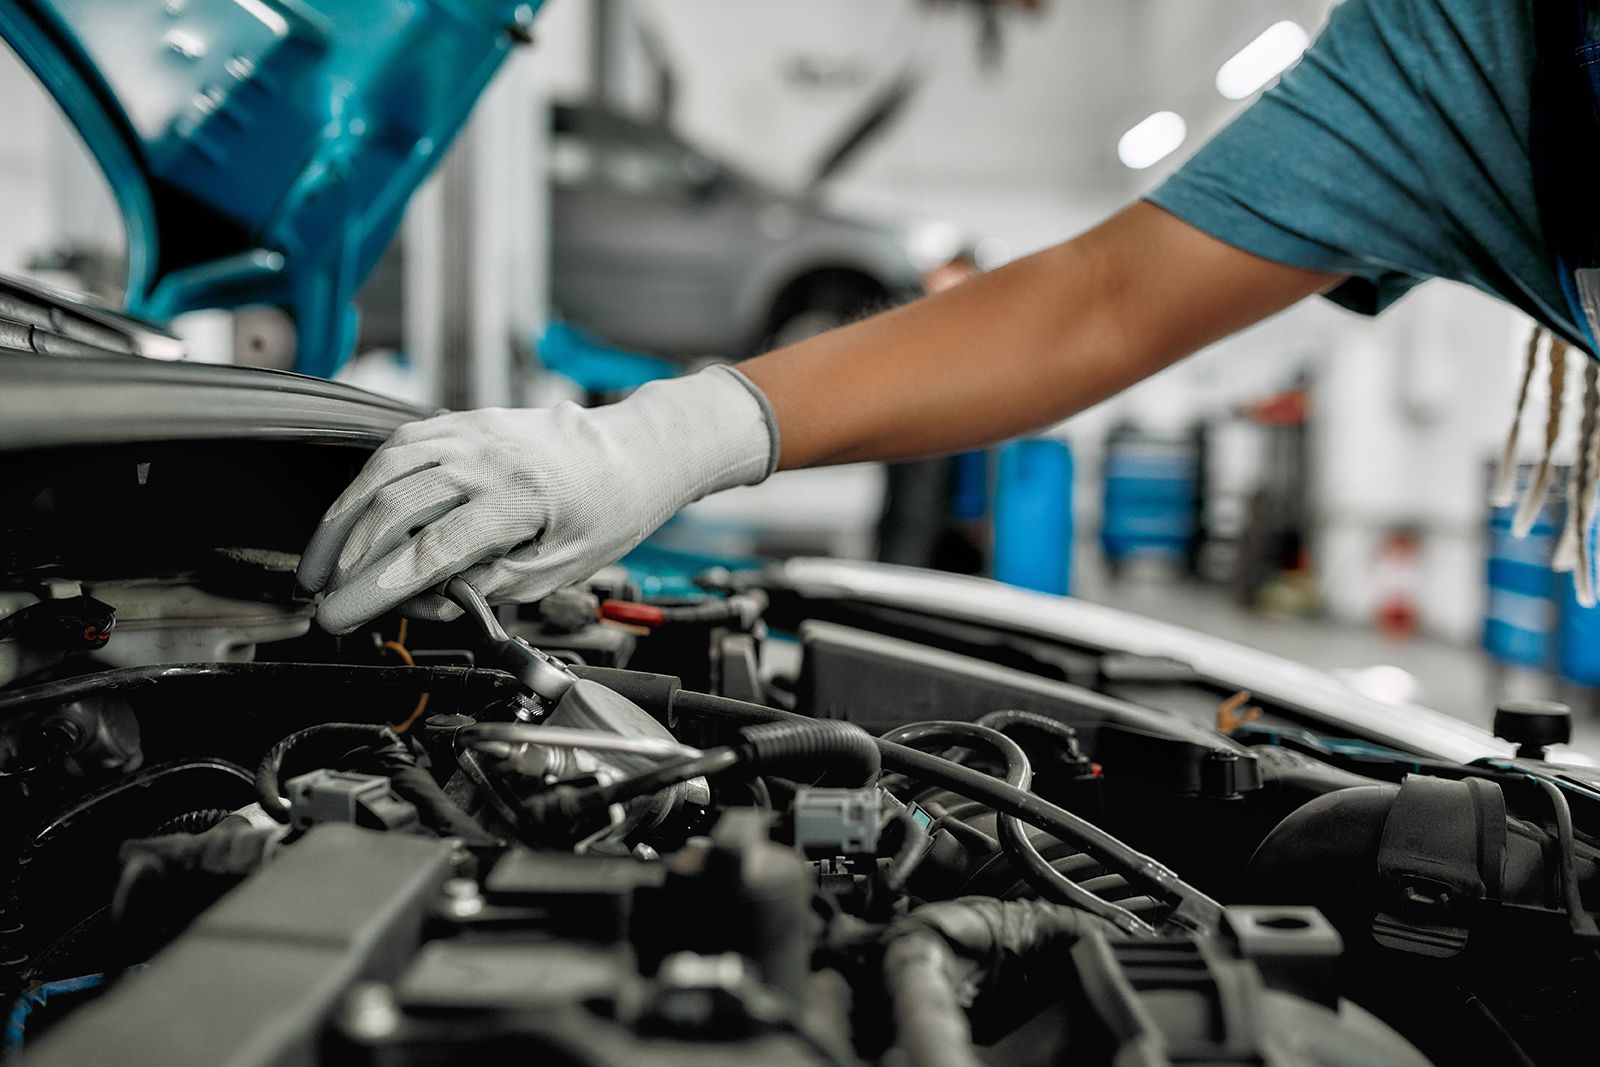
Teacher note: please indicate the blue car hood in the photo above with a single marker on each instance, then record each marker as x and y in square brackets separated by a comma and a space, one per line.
[262, 151]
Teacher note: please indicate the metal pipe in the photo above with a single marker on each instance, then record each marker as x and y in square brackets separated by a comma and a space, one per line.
[566, 737]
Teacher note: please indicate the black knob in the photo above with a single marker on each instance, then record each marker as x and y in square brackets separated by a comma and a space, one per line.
[1532, 725]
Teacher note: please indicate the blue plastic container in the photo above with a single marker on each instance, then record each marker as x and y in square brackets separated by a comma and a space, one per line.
[1580, 636]
[1152, 492]
[969, 491]
[1033, 516]
[1520, 620]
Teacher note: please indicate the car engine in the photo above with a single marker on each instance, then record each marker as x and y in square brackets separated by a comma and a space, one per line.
[752, 818]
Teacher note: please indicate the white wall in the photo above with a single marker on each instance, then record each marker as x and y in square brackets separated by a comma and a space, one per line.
[1410, 410]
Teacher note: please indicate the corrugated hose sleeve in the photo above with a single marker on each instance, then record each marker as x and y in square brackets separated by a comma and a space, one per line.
[841, 751]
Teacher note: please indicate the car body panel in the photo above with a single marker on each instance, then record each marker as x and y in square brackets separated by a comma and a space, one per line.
[262, 151]
[1321, 698]
[39, 320]
[96, 401]
[87, 386]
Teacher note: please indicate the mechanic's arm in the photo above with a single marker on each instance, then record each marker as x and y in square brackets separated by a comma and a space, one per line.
[1021, 347]
[523, 502]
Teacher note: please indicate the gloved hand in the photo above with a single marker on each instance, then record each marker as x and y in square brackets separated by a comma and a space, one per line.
[525, 501]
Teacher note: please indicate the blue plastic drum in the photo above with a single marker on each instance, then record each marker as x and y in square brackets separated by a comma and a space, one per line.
[1521, 619]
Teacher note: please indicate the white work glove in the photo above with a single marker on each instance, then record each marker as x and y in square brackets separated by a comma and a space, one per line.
[524, 501]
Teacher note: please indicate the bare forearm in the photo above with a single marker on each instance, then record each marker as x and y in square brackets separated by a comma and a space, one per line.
[1021, 347]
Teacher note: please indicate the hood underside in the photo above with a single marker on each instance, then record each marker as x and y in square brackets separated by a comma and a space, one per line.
[263, 151]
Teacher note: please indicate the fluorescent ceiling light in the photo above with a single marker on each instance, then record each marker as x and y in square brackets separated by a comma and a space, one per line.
[1153, 140]
[1262, 59]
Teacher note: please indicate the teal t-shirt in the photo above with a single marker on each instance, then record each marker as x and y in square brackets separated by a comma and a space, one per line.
[1396, 151]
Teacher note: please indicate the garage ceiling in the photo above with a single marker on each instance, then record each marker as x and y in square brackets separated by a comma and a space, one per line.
[767, 81]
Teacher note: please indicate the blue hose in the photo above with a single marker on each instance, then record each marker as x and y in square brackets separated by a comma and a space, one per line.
[17, 1021]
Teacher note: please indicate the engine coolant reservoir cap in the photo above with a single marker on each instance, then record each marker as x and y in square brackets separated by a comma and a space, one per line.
[1532, 725]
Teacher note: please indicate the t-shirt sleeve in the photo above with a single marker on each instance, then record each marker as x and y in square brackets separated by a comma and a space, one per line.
[1395, 151]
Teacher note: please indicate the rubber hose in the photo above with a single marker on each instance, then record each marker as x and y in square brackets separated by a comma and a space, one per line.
[1583, 924]
[435, 808]
[990, 936]
[841, 751]
[1195, 909]
[1060, 732]
[394, 760]
[984, 955]
[652, 692]
[714, 609]
[930, 1024]
[910, 855]
[1014, 838]
[969, 835]
[472, 767]
[960, 945]
[192, 822]
[656, 779]
[800, 746]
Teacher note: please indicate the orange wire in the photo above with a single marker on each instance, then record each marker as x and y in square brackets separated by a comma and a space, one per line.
[398, 648]
[1233, 713]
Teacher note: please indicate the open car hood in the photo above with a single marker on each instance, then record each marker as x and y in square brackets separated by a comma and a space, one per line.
[880, 114]
[262, 151]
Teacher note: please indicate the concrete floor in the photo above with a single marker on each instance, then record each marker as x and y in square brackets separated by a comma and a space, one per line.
[1460, 680]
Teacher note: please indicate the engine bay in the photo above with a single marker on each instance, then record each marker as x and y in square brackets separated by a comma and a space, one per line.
[762, 816]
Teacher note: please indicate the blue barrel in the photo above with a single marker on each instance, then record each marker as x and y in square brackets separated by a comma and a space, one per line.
[1579, 636]
[969, 490]
[1519, 625]
[1152, 490]
[1033, 516]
